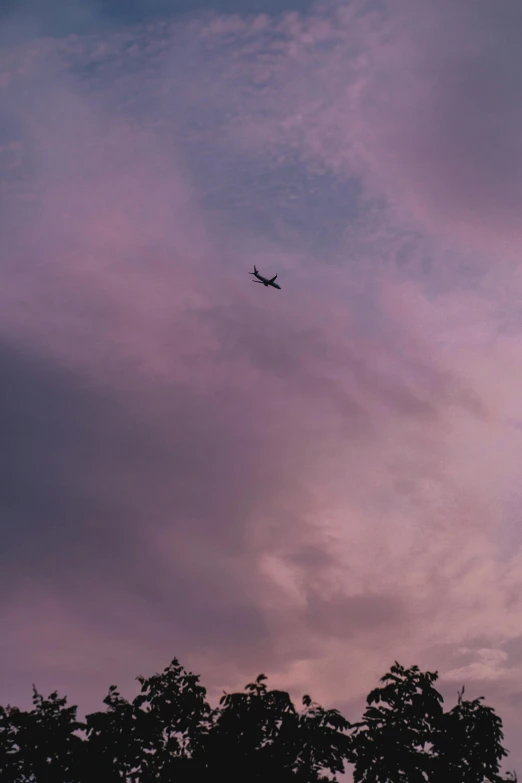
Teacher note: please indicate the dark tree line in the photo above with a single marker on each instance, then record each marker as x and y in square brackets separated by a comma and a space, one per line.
[170, 734]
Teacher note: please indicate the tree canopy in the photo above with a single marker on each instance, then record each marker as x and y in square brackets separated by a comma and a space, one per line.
[170, 734]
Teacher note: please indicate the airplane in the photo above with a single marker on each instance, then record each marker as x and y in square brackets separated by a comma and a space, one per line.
[264, 280]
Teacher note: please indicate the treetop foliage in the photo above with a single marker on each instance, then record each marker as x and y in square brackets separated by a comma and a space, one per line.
[170, 734]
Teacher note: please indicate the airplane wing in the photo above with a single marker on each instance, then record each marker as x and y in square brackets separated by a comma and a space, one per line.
[272, 280]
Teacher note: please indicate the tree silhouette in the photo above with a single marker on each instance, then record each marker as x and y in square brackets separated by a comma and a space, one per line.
[156, 737]
[170, 734]
[169, 731]
[392, 742]
[408, 738]
[468, 743]
[259, 735]
[40, 745]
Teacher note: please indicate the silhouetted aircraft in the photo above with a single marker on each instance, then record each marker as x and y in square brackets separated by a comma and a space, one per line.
[264, 280]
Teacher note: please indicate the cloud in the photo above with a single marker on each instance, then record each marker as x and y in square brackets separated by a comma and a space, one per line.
[441, 121]
[311, 482]
[488, 666]
[420, 101]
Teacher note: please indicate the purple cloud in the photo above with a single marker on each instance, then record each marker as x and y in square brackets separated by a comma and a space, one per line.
[311, 482]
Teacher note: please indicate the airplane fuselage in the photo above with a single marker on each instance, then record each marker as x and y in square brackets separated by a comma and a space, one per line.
[266, 282]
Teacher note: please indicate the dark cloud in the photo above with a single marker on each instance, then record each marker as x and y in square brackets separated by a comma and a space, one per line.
[55, 430]
[350, 616]
[443, 109]
[70, 505]
[30, 18]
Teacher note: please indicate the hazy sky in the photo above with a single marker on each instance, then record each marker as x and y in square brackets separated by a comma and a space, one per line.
[310, 482]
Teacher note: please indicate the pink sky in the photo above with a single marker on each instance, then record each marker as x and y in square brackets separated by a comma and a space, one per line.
[310, 482]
